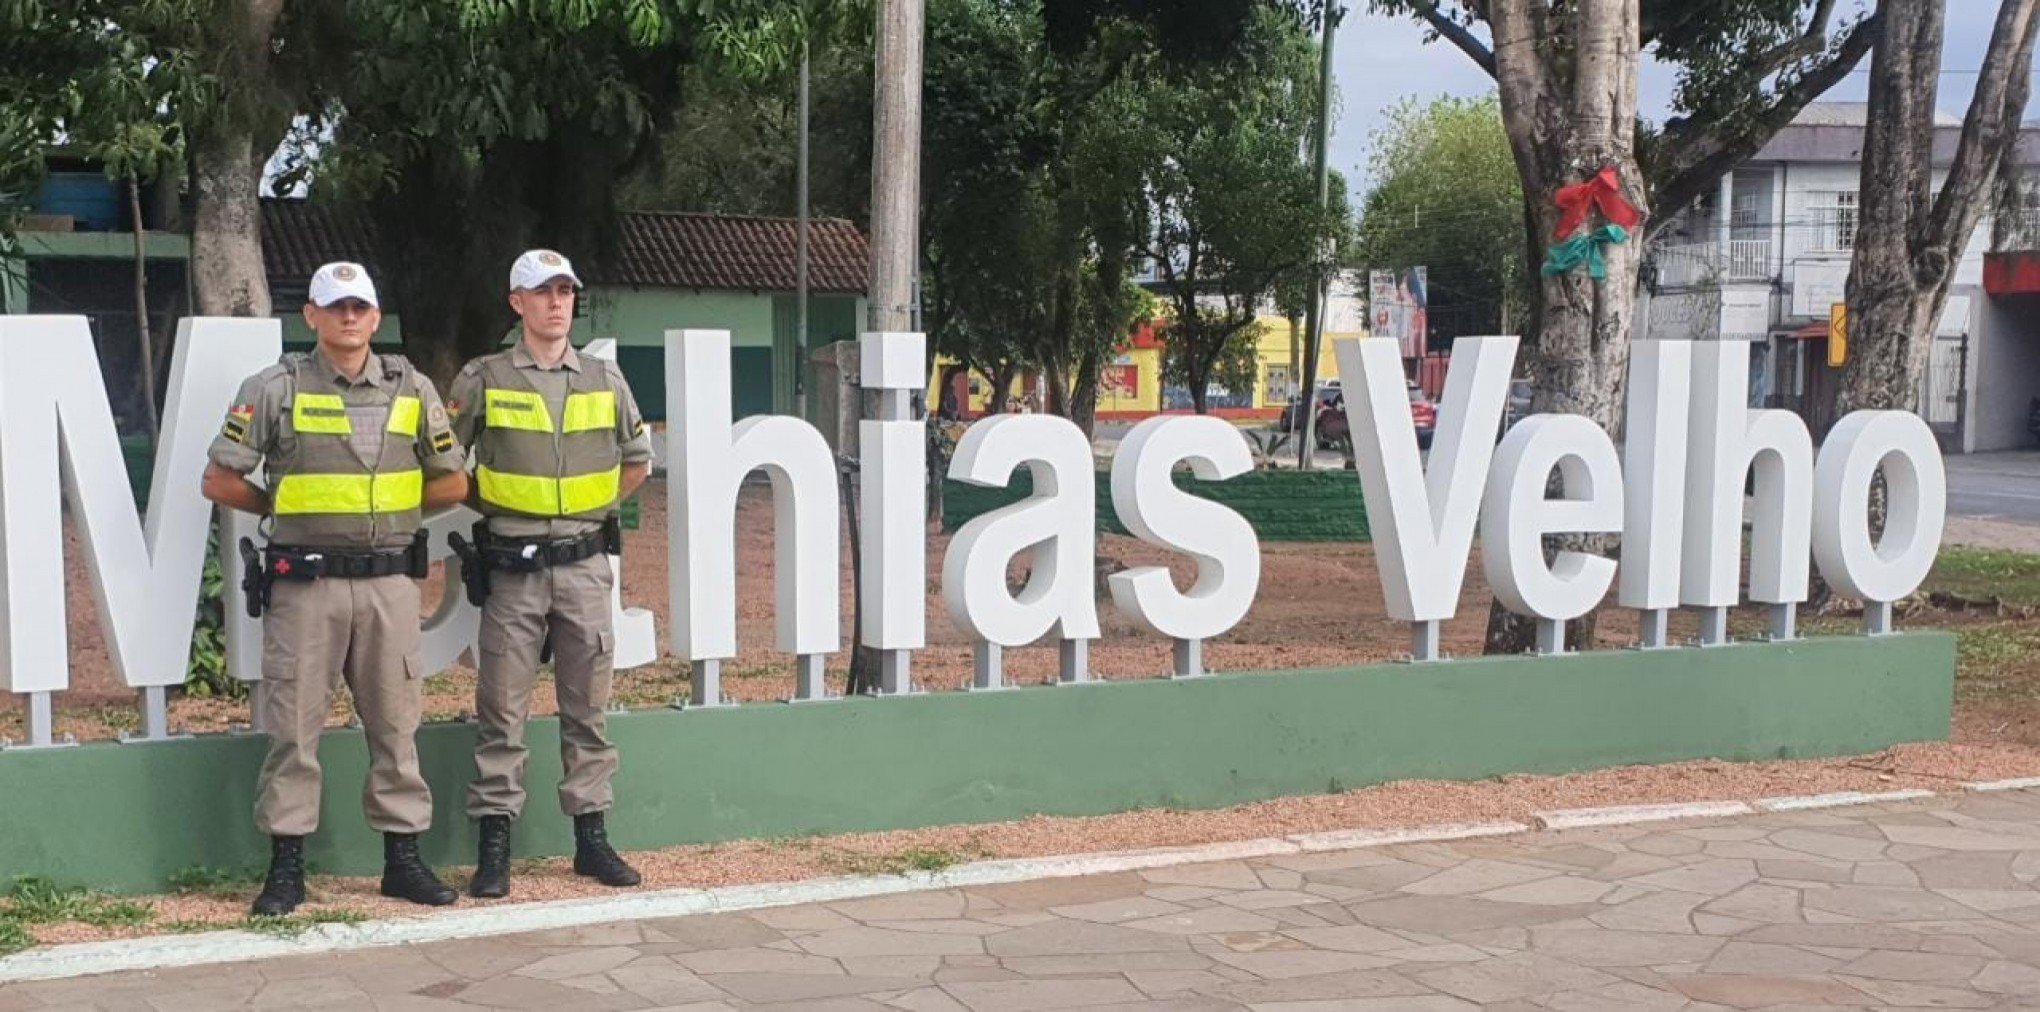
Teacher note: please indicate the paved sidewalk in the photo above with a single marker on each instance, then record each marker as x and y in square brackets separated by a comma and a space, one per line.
[1928, 904]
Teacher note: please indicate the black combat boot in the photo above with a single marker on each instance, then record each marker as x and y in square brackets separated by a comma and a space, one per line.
[406, 877]
[284, 887]
[492, 866]
[595, 858]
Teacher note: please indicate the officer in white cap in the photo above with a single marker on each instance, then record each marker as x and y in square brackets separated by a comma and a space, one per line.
[558, 443]
[355, 447]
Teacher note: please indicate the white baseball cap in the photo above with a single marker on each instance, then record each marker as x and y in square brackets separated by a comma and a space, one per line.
[538, 266]
[341, 280]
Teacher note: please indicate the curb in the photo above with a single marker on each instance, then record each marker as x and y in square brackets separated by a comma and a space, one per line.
[1624, 815]
[1838, 799]
[2017, 784]
[168, 951]
[1354, 839]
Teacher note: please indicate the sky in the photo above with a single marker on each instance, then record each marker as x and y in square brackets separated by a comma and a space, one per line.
[1378, 60]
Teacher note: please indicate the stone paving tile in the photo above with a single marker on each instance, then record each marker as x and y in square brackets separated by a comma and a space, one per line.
[1051, 993]
[1924, 905]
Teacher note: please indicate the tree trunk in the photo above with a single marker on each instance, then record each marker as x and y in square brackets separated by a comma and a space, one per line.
[1001, 377]
[1054, 393]
[1905, 255]
[227, 158]
[1084, 397]
[226, 230]
[1563, 132]
[145, 342]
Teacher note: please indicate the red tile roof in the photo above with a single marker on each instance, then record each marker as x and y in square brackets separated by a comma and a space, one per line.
[658, 249]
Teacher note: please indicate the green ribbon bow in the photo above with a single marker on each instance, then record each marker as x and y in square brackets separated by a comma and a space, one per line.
[1584, 248]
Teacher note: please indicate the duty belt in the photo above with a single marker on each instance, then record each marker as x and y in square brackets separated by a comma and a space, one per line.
[519, 555]
[289, 562]
[261, 569]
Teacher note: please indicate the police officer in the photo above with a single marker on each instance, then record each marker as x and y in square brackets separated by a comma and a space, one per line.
[354, 446]
[558, 442]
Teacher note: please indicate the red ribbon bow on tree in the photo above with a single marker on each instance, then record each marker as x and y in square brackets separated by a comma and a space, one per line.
[1602, 193]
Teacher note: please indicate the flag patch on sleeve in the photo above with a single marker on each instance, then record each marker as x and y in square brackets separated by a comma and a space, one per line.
[238, 417]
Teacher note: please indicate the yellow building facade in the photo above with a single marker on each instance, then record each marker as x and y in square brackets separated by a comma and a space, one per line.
[1130, 383]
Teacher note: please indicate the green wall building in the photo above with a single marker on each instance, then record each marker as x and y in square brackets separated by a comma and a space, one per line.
[668, 270]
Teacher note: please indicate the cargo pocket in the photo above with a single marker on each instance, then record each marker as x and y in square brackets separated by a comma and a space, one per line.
[279, 656]
[282, 639]
[605, 643]
[414, 667]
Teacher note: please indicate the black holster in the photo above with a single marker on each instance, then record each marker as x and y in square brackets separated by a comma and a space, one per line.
[254, 579]
[612, 535]
[474, 570]
[420, 554]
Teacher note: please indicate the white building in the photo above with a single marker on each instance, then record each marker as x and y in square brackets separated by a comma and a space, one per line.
[1767, 257]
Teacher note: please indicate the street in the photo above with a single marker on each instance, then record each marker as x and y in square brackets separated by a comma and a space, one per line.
[2003, 485]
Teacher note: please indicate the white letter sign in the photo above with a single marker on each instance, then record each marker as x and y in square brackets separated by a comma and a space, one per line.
[1422, 517]
[1156, 511]
[144, 575]
[1916, 508]
[1515, 516]
[709, 459]
[1057, 526]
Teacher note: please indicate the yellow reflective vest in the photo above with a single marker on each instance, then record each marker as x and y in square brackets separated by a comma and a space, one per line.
[531, 464]
[322, 487]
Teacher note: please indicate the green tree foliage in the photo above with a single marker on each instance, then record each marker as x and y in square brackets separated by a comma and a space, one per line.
[1744, 69]
[523, 137]
[104, 83]
[1236, 211]
[1052, 165]
[1444, 187]
[732, 148]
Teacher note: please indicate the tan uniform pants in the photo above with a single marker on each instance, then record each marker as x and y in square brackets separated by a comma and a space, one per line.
[315, 636]
[573, 600]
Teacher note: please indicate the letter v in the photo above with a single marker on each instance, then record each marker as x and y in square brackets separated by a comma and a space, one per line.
[1422, 518]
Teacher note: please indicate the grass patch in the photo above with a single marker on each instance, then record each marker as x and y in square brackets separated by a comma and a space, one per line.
[899, 862]
[219, 883]
[297, 924]
[1998, 662]
[36, 900]
[2013, 577]
[14, 937]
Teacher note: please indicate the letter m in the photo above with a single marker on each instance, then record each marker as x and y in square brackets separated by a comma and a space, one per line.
[57, 435]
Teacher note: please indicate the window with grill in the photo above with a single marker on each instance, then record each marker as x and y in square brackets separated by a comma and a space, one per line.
[1834, 221]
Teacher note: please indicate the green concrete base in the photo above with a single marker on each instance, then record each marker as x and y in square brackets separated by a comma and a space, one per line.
[124, 817]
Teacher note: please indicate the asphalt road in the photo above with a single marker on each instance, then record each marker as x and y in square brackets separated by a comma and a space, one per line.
[2002, 485]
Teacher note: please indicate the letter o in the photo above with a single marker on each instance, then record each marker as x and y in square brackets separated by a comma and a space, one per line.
[1916, 509]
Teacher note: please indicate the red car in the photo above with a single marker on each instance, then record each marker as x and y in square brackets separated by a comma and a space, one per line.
[1331, 423]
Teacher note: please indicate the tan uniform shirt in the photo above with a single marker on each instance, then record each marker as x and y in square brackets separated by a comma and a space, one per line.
[255, 434]
[465, 406]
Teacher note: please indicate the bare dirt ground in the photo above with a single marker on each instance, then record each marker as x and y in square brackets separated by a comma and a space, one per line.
[1319, 605]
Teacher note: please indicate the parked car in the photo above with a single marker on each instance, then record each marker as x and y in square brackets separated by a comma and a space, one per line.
[1425, 414]
[1331, 422]
[1292, 416]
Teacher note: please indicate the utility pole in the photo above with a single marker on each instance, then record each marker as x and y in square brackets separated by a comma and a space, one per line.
[800, 285]
[895, 256]
[1314, 312]
[896, 165]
